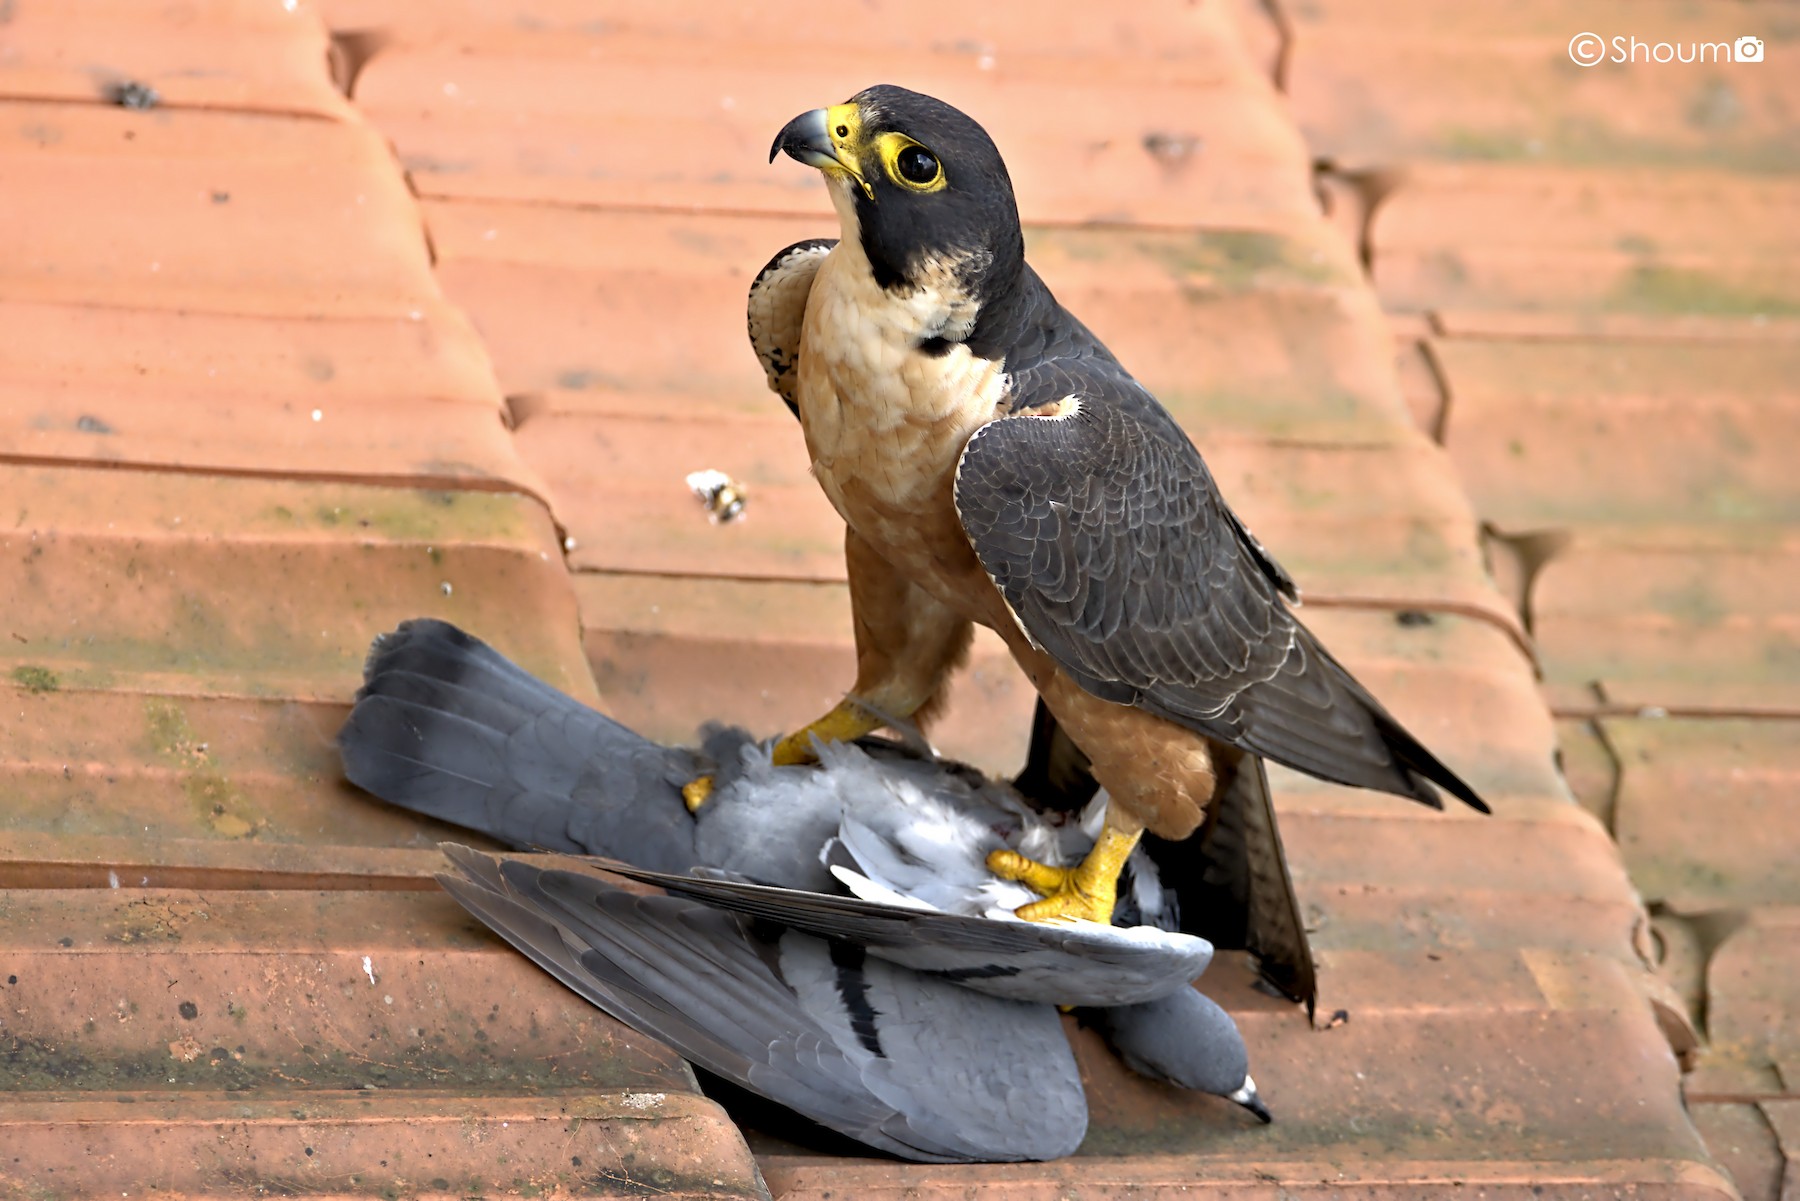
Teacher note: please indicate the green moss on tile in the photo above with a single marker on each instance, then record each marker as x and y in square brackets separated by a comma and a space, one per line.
[1662, 290]
[216, 804]
[35, 679]
[1692, 604]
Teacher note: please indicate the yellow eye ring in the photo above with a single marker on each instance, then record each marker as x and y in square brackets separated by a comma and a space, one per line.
[909, 164]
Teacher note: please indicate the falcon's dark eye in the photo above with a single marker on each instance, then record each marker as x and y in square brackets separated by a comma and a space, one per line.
[918, 165]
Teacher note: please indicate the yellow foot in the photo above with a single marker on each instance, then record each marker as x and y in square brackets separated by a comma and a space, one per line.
[1086, 891]
[696, 792]
[848, 721]
[845, 723]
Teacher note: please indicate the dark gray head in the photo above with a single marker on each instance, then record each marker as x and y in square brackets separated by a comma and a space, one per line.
[919, 184]
[1184, 1039]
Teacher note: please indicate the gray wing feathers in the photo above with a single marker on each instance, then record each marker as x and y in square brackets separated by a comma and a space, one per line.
[777, 1017]
[777, 309]
[447, 727]
[1109, 539]
[1024, 961]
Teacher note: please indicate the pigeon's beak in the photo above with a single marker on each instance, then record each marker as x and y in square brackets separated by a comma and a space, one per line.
[1246, 1096]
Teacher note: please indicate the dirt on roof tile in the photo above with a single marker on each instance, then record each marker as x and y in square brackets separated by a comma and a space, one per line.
[1784, 1116]
[1682, 619]
[1555, 433]
[217, 54]
[1692, 853]
[213, 212]
[132, 581]
[1743, 1142]
[1383, 1104]
[1503, 86]
[1676, 326]
[1614, 244]
[1754, 998]
[345, 1028]
[374, 1144]
[174, 790]
[1588, 765]
[594, 131]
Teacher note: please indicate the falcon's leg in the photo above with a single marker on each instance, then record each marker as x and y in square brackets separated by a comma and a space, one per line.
[1087, 890]
[907, 645]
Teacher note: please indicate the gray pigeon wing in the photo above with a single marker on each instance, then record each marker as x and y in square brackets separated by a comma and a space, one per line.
[961, 1069]
[797, 1019]
[446, 726]
[1020, 961]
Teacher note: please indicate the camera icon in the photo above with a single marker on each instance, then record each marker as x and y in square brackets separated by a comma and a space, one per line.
[1748, 50]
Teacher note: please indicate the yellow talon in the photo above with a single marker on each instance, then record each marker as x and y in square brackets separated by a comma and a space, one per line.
[1086, 891]
[696, 792]
[846, 722]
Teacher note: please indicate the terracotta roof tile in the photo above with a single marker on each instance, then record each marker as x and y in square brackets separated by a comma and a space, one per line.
[1421, 384]
[1385, 1104]
[595, 130]
[1588, 766]
[1371, 523]
[220, 54]
[184, 791]
[1753, 998]
[769, 656]
[1161, 38]
[1784, 1116]
[1459, 682]
[1560, 432]
[1263, 328]
[766, 653]
[1650, 244]
[126, 579]
[294, 361]
[1693, 854]
[359, 398]
[1684, 326]
[347, 1028]
[1685, 618]
[1491, 967]
[1543, 850]
[213, 212]
[1741, 1139]
[1596, 268]
[1503, 87]
[211, 1147]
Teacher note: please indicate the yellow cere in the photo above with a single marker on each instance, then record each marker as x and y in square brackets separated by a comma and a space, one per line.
[844, 121]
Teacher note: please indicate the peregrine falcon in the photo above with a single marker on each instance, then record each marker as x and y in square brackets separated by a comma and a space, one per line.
[994, 463]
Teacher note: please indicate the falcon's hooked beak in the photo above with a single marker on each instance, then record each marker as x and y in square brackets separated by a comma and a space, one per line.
[827, 138]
